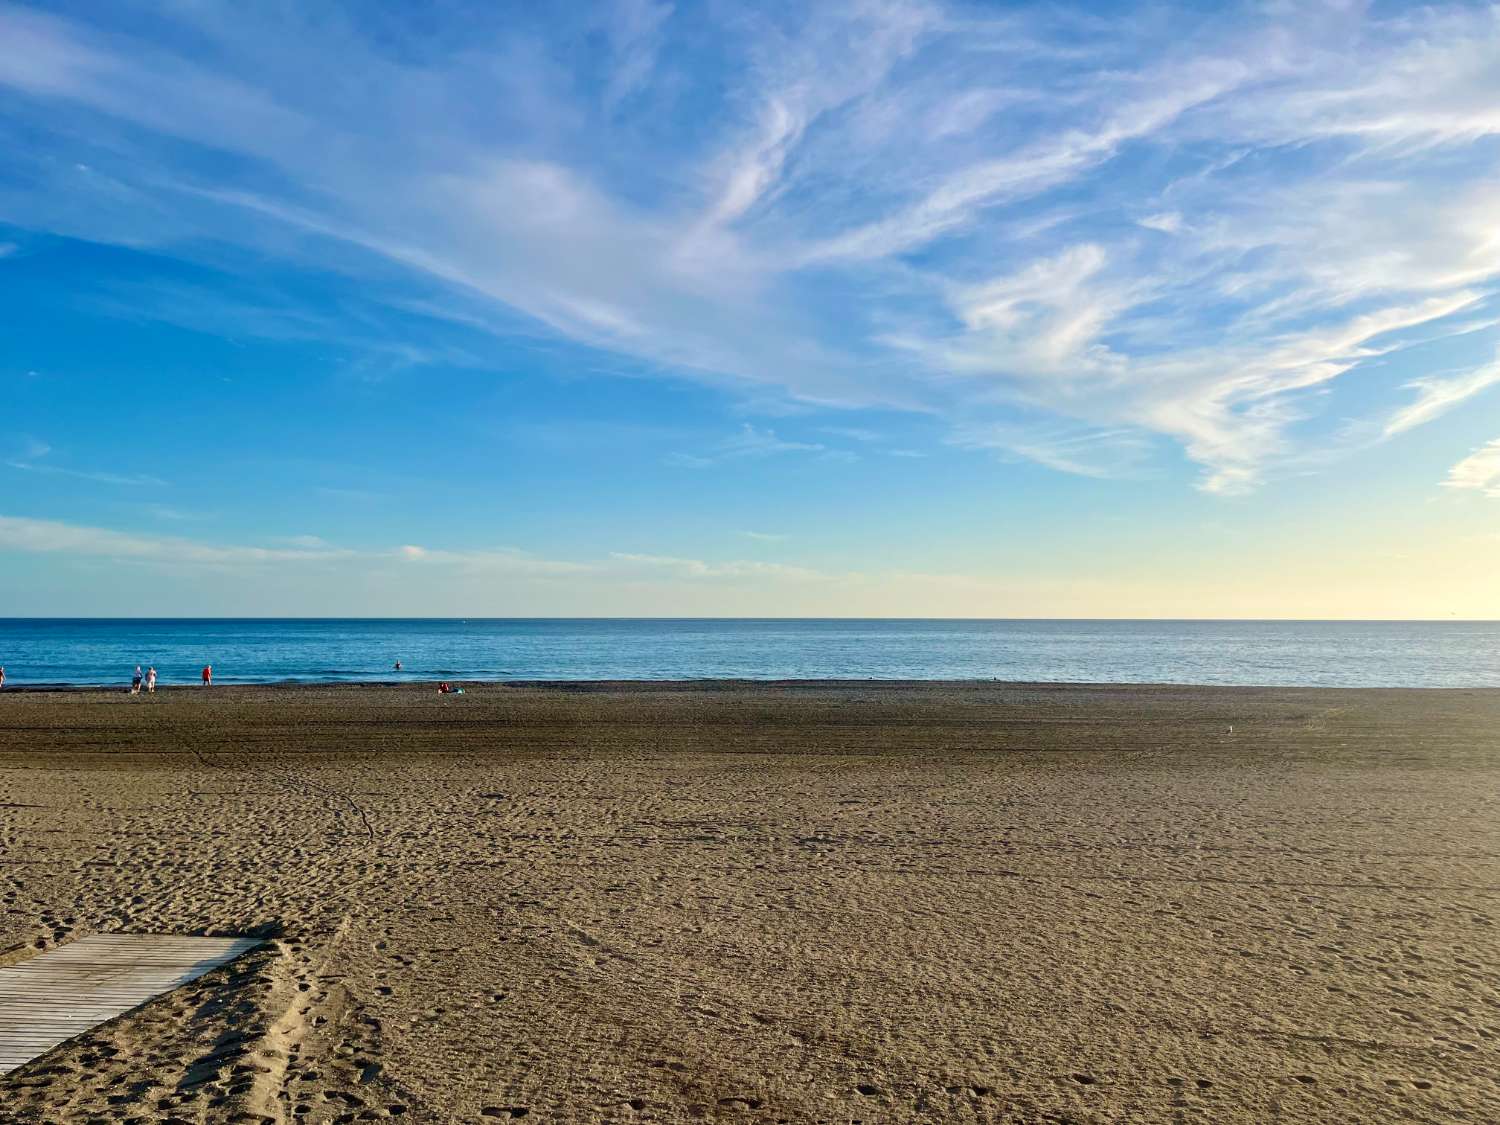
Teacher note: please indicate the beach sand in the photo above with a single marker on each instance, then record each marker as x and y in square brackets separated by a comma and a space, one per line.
[798, 903]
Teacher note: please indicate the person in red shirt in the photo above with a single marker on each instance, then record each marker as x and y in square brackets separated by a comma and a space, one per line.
[208, 675]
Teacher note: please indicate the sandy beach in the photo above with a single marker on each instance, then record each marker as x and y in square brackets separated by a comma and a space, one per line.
[797, 903]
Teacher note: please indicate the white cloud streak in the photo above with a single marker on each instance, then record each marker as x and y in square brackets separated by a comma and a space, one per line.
[1478, 472]
[31, 460]
[1435, 397]
[36, 536]
[751, 442]
[53, 537]
[635, 34]
[696, 569]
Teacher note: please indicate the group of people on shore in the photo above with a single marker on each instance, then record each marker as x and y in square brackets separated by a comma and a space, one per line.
[149, 679]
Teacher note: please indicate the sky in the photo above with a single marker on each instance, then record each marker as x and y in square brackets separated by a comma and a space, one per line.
[879, 308]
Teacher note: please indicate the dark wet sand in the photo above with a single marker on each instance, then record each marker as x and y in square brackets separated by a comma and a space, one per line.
[790, 903]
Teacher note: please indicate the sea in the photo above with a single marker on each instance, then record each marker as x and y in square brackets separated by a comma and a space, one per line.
[260, 650]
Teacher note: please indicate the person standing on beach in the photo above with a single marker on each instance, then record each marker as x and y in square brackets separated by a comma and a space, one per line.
[208, 675]
[135, 681]
[2, 676]
[151, 680]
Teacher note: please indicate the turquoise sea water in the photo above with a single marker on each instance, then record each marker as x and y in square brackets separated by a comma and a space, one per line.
[1356, 654]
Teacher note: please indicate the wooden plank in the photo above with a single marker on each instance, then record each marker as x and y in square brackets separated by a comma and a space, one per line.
[69, 990]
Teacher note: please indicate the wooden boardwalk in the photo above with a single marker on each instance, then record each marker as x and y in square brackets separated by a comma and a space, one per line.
[66, 991]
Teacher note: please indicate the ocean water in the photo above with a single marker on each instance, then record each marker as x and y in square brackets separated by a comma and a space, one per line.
[1325, 653]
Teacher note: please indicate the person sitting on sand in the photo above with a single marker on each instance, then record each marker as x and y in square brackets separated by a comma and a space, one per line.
[135, 681]
[208, 675]
[151, 680]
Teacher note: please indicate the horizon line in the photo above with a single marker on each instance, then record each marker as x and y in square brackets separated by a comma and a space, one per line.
[693, 617]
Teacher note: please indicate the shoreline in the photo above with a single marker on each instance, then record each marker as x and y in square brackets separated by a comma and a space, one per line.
[712, 683]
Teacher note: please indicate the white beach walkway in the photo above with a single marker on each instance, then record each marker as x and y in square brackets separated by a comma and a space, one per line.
[62, 993]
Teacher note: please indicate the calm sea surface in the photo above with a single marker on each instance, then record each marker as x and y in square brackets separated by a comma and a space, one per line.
[1356, 654]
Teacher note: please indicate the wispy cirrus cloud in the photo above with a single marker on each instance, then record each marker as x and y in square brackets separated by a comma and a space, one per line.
[636, 34]
[33, 455]
[1139, 231]
[749, 443]
[38, 536]
[851, 433]
[655, 565]
[1479, 471]
[169, 513]
[510, 561]
[1435, 397]
[56, 537]
[1105, 454]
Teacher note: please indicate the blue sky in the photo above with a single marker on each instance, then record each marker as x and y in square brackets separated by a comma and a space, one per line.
[894, 308]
